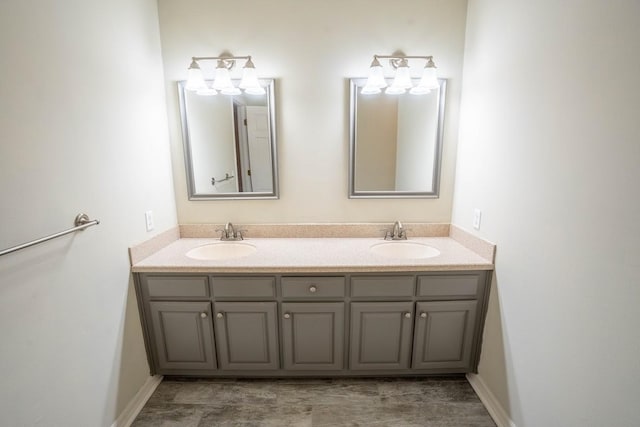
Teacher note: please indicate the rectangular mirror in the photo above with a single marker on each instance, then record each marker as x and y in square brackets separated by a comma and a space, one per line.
[396, 143]
[229, 144]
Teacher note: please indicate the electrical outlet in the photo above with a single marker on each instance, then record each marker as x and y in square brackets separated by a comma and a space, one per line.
[148, 217]
[477, 216]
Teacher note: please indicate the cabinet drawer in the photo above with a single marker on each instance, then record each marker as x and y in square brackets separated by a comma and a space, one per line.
[449, 286]
[382, 286]
[176, 286]
[312, 287]
[243, 287]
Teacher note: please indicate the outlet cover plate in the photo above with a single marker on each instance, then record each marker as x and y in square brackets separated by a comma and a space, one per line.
[148, 217]
[477, 216]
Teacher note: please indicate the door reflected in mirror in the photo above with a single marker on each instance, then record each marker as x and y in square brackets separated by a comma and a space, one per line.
[230, 146]
[396, 143]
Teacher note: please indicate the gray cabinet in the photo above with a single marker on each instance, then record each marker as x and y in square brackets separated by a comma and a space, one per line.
[383, 287]
[450, 286]
[381, 335]
[245, 288]
[172, 287]
[299, 324]
[444, 334]
[313, 335]
[246, 335]
[183, 335]
[312, 287]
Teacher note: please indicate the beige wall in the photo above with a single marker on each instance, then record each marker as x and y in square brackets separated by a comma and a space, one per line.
[84, 128]
[312, 48]
[549, 150]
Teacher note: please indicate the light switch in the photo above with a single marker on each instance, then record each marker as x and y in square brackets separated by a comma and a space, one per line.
[148, 217]
[477, 215]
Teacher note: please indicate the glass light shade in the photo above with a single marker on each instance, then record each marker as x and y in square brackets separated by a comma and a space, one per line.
[231, 91]
[403, 77]
[250, 82]
[222, 80]
[195, 80]
[419, 90]
[429, 78]
[370, 90]
[207, 91]
[395, 90]
[249, 76]
[255, 90]
[376, 75]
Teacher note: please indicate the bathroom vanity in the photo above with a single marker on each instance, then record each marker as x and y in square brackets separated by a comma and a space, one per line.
[296, 310]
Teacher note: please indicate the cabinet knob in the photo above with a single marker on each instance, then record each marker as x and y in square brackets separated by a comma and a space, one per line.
[407, 315]
[219, 315]
[287, 316]
[203, 315]
[313, 288]
[423, 314]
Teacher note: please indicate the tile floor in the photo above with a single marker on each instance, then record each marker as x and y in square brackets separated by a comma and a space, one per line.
[424, 402]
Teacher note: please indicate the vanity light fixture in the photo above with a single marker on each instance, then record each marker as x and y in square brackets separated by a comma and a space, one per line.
[402, 78]
[222, 82]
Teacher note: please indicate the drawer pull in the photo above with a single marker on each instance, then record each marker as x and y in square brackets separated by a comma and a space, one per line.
[203, 315]
[423, 315]
[220, 315]
[313, 288]
[287, 316]
[407, 315]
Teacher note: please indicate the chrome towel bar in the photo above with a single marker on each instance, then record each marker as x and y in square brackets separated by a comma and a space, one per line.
[81, 222]
[227, 177]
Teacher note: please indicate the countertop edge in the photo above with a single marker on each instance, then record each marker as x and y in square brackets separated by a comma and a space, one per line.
[328, 269]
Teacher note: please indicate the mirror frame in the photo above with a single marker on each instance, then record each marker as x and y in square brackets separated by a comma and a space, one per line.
[269, 86]
[355, 84]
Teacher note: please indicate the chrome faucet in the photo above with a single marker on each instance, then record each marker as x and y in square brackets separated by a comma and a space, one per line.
[230, 233]
[396, 233]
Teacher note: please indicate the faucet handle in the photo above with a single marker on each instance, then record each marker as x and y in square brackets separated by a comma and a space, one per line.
[239, 234]
[387, 234]
[223, 233]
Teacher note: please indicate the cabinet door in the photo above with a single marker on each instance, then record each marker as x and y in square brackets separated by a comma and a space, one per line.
[246, 334]
[183, 335]
[444, 334]
[381, 335]
[313, 335]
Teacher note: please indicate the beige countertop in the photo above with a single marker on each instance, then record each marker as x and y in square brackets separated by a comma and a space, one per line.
[311, 255]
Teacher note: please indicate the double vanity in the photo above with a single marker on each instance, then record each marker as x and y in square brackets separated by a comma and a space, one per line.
[313, 306]
[311, 299]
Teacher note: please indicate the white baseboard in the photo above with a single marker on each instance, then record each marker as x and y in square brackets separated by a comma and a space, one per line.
[126, 417]
[494, 407]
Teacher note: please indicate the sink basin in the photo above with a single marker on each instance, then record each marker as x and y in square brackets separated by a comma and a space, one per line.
[404, 250]
[221, 250]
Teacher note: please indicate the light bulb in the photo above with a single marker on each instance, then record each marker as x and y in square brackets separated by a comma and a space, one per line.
[195, 80]
[376, 75]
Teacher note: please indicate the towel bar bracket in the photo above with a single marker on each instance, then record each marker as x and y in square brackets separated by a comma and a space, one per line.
[81, 219]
